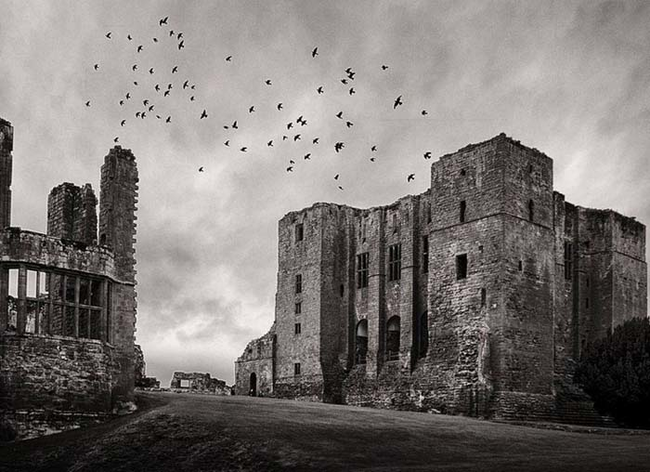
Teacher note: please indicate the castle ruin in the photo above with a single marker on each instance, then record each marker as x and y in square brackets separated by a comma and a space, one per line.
[68, 302]
[475, 297]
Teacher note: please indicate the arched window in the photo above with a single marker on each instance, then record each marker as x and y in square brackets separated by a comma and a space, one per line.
[392, 340]
[361, 347]
[423, 334]
[252, 391]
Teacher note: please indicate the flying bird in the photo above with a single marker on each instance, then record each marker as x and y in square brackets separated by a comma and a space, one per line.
[307, 156]
[116, 139]
[373, 148]
[279, 106]
[285, 137]
[151, 70]
[410, 177]
[290, 125]
[193, 87]
[181, 45]
[227, 142]
[140, 48]
[424, 113]
[163, 21]
[290, 169]
[344, 81]
[145, 102]
[179, 36]
[135, 82]
[151, 107]
[244, 149]
[229, 59]
[186, 84]
[251, 109]
[384, 67]
[88, 103]
[349, 124]
[128, 95]
[192, 98]
[167, 92]
[338, 146]
[96, 66]
[352, 91]
[128, 36]
[372, 159]
[169, 86]
[171, 33]
[157, 87]
[144, 114]
[204, 114]
[270, 143]
[314, 141]
[155, 40]
[174, 69]
[339, 115]
[320, 89]
[296, 138]
[340, 188]
[336, 177]
[108, 35]
[123, 122]
[291, 161]
[314, 52]
[398, 102]
[201, 169]
[234, 125]
[168, 120]
[267, 81]
[121, 102]
[427, 155]
[134, 67]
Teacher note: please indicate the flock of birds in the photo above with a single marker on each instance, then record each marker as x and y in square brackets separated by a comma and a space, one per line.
[166, 85]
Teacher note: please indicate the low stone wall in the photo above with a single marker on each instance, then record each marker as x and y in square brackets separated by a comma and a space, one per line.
[52, 383]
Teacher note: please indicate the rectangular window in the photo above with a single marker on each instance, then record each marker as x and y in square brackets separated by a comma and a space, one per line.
[483, 297]
[568, 260]
[31, 283]
[362, 270]
[297, 328]
[296, 368]
[395, 262]
[298, 308]
[461, 266]
[425, 254]
[586, 303]
[521, 265]
[299, 283]
[185, 383]
[300, 232]
[463, 208]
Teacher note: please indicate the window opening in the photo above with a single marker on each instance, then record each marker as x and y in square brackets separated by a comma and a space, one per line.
[362, 270]
[423, 334]
[296, 368]
[395, 262]
[392, 339]
[531, 210]
[361, 348]
[461, 266]
[297, 328]
[568, 260]
[463, 208]
[425, 254]
[300, 232]
[299, 283]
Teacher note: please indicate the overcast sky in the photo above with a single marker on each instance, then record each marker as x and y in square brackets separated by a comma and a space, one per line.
[569, 78]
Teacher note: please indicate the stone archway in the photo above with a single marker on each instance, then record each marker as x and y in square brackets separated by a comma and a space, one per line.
[252, 390]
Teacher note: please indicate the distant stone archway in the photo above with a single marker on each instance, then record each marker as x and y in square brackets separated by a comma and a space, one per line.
[252, 391]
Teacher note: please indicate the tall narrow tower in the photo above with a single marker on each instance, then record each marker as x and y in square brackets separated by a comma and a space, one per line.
[6, 146]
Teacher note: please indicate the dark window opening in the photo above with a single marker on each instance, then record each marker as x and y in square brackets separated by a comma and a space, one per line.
[423, 334]
[299, 283]
[531, 210]
[463, 208]
[461, 266]
[521, 265]
[462, 172]
[483, 297]
[425, 254]
[341, 290]
[587, 245]
[362, 270]
[296, 368]
[392, 339]
[252, 390]
[587, 282]
[568, 260]
[300, 232]
[395, 262]
[361, 347]
[530, 168]
[586, 303]
[297, 328]
[298, 308]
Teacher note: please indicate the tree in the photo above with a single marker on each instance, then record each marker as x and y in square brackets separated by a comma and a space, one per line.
[615, 372]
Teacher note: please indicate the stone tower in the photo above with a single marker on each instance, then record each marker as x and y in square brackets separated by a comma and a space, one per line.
[6, 147]
[72, 213]
[118, 200]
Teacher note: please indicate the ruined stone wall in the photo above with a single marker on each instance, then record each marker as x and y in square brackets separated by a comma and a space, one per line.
[196, 382]
[6, 168]
[72, 213]
[50, 383]
[258, 361]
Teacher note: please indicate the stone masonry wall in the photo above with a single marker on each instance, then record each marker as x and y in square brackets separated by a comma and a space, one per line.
[257, 359]
[6, 167]
[72, 213]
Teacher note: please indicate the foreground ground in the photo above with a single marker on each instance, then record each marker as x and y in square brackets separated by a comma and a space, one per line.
[179, 432]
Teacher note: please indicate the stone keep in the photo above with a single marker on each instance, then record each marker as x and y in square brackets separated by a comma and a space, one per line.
[474, 297]
[67, 303]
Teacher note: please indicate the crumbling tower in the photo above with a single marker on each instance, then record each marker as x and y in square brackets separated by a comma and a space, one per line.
[72, 213]
[118, 199]
[6, 146]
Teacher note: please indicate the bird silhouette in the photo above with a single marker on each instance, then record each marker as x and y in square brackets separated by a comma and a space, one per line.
[339, 115]
[348, 70]
[244, 149]
[145, 102]
[336, 177]
[234, 125]
[373, 148]
[320, 89]
[424, 113]
[128, 36]
[169, 86]
[108, 35]
[338, 146]
[226, 127]
[96, 66]
[204, 114]
[410, 177]
[168, 120]
[163, 21]
[251, 109]
[121, 102]
[340, 188]
[134, 67]
[140, 48]
[181, 45]
[151, 107]
[290, 169]
[158, 116]
[398, 102]
[384, 67]
[314, 52]
[307, 156]
[174, 69]
[179, 36]
[303, 123]
[193, 87]
[135, 82]
[229, 59]
[291, 161]
[270, 143]
[372, 159]
[123, 122]
[227, 142]
[290, 125]
[192, 98]
[344, 81]
[143, 115]
[116, 139]
[186, 84]
[279, 107]
[267, 81]
[201, 169]
[285, 137]
[88, 103]
[349, 124]
[171, 33]
[427, 155]
[314, 141]
[167, 92]
[155, 40]
[351, 75]
[296, 138]
[157, 87]
[151, 70]
[352, 91]
[128, 95]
